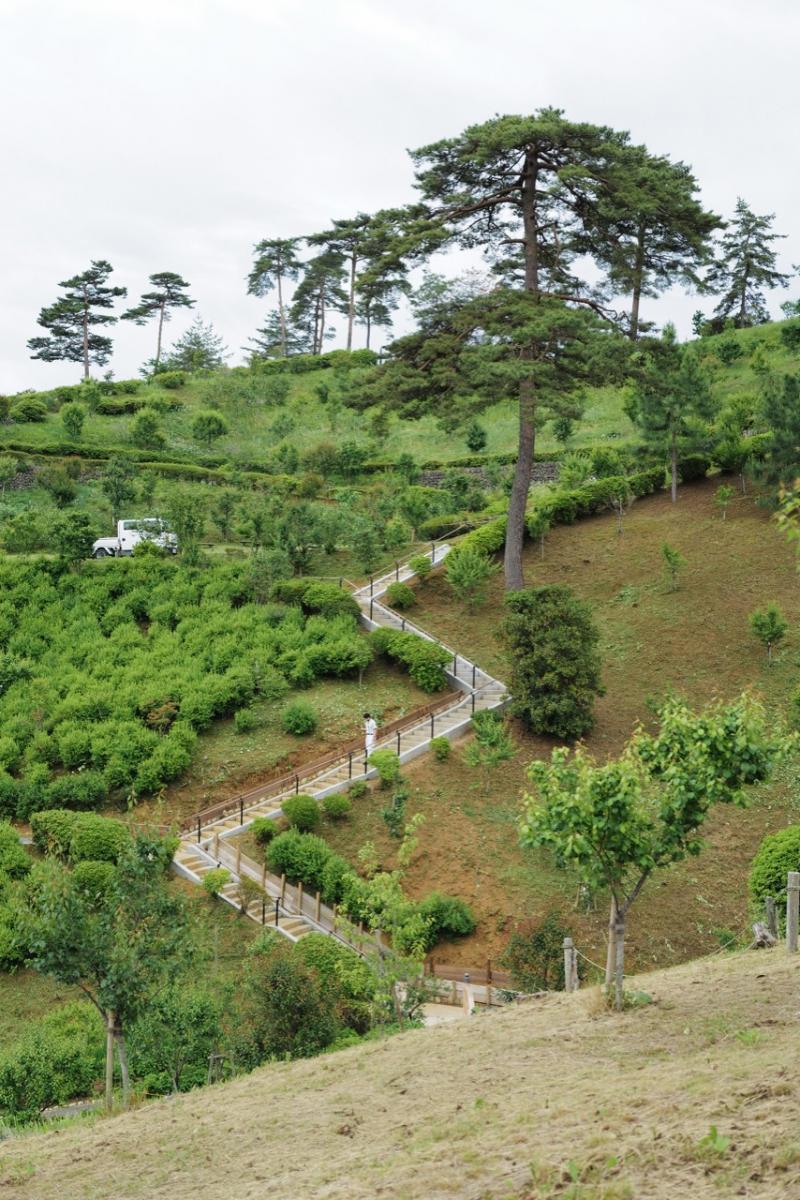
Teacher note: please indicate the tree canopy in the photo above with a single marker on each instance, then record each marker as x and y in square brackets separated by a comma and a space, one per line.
[70, 319]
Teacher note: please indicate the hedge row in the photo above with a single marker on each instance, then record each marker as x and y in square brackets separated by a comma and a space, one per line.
[300, 364]
[79, 836]
[424, 660]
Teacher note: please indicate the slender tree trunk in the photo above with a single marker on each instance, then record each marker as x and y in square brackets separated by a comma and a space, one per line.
[351, 303]
[122, 1054]
[85, 336]
[160, 331]
[369, 327]
[673, 461]
[638, 273]
[619, 962]
[611, 953]
[110, 1025]
[515, 528]
[282, 316]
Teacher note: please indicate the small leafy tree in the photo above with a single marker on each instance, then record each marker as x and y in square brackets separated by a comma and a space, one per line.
[674, 562]
[468, 571]
[117, 485]
[186, 515]
[9, 468]
[476, 437]
[72, 537]
[73, 416]
[146, 430]
[722, 498]
[492, 745]
[555, 672]
[617, 822]
[769, 625]
[208, 426]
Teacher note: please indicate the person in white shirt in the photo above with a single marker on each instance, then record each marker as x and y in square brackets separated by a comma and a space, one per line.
[370, 732]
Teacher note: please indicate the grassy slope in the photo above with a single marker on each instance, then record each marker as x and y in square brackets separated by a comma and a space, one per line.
[555, 1098]
[695, 641]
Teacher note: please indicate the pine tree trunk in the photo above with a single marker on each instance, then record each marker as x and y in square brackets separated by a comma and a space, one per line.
[351, 304]
[110, 1025]
[122, 1054]
[638, 273]
[282, 317]
[674, 468]
[369, 327]
[515, 526]
[160, 330]
[85, 336]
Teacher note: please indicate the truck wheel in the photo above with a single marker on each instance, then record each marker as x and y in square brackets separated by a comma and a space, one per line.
[101, 552]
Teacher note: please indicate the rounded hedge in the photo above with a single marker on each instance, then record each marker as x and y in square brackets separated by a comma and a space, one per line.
[441, 748]
[778, 854]
[299, 718]
[401, 596]
[93, 879]
[52, 830]
[299, 856]
[302, 813]
[337, 807]
[100, 839]
[263, 830]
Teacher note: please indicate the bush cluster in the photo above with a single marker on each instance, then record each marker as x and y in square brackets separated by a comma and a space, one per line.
[302, 813]
[424, 660]
[778, 854]
[78, 836]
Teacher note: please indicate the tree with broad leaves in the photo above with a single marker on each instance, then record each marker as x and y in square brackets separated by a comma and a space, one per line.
[745, 266]
[121, 949]
[671, 400]
[618, 822]
[653, 231]
[524, 189]
[118, 485]
[275, 262]
[169, 292]
[69, 320]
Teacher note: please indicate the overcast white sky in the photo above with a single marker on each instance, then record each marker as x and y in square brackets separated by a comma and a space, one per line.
[172, 134]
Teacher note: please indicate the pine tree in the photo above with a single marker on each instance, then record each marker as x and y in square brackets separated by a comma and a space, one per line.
[199, 349]
[781, 406]
[319, 291]
[277, 339]
[672, 398]
[275, 262]
[744, 268]
[651, 230]
[346, 239]
[169, 292]
[70, 318]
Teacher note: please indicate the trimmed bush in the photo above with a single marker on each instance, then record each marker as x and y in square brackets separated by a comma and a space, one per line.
[421, 565]
[264, 830]
[215, 880]
[93, 879]
[424, 659]
[337, 806]
[299, 718]
[52, 830]
[245, 720]
[387, 764]
[358, 789]
[302, 813]
[449, 916]
[99, 839]
[778, 854]
[401, 596]
[28, 409]
[334, 872]
[441, 748]
[299, 856]
[329, 600]
[59, 1058]
[693, 466]
[15, 862]
[171, 379]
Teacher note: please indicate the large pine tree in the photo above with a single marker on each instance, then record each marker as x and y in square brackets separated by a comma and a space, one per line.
[275, 263]
[169, 292]
[70, 319]
[744, 268]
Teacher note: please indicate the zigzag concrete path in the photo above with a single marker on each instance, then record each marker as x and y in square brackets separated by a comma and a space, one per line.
[287, 909]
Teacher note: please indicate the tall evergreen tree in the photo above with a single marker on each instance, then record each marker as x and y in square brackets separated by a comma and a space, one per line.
[652, 230]
[275, 263]
[169, 292]
[71, 317]
[346, 239]
[744, 268]
[781, 406]
[672, 398]
[199, 349]
[384, 279]
[318, 292]
[277, 338]
[521, 188]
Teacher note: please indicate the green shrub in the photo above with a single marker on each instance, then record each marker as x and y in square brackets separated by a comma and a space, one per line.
[401, 596]
[58, 1059]
[73, 416]
[358, 789]
[14, 859]
[299, 718]
[263, 830]
[215, 880]
[52, 831]
[299, 856]
[535, 956]
[778, 854]
[209, 426]
[329, 600]
[441, 748]
[434, 528]
[302, 812]
[387, 764]
[448, 915]
[421, 565]
[424, 659]
[171, 379]
[693, 466]
[245, 720]
[28, 409]
[337, 806]
[93, 879]
[468, 571]
[100, 839]
[146, 430]
[334, 873]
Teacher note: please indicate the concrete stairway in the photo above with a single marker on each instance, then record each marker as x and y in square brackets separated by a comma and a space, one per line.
[203, 847]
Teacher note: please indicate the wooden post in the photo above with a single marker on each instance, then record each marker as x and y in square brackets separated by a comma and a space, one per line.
[771, 915]
[792, 910]
[264, 877]
[334, 918]
[568, 964]
[283, 888]
[238, 857]
[300, 897]
[455, 992]
[317, 906]
[216, 846]
[489, 983]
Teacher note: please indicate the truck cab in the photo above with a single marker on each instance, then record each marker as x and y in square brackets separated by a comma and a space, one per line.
[130, 533]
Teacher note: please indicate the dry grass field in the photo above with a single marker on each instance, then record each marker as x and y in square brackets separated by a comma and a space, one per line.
[692, 1095]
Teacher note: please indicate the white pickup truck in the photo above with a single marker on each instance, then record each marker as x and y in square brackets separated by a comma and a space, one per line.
[131, 533]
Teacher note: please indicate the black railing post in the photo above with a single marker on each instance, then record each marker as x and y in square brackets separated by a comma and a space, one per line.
[473, 701]
[433, 554]
[350, 765]
[199, 831]
[433, 718]
[455, 665]
[241, 812]
[366, 768]
[263, 912]
[370, 608]
[403, 624]
[277, 911]
[396, 569]
[398, 743]
[341, 581]
[371, 585]
[297, 785]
